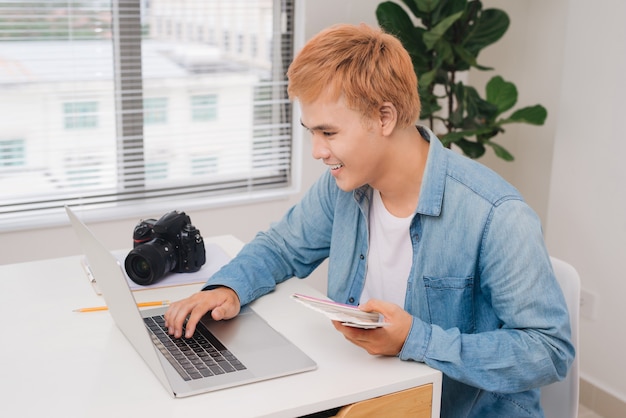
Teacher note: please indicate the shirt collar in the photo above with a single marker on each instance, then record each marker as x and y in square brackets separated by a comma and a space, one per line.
[434, 179]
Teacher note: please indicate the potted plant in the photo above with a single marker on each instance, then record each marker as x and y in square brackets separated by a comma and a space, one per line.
[445, 44]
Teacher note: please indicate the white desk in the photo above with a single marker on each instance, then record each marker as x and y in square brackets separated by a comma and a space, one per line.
[80, 364]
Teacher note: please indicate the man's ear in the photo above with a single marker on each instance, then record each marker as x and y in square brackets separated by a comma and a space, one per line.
[388, 115]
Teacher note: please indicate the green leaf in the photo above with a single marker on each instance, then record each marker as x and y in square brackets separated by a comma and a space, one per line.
[477, 108]
[444, 51]
[426, 79]
[429, 102]
[432, 36]
[485, 134]
[425, 6]
[393, 19]
[449, 7]
[501, 151]
[470, 148]
[429, 109]
[501, 93]
[422, 59]
[413, 6]
[455, 136]
[535, 115]
[468, 58]
[489, 28]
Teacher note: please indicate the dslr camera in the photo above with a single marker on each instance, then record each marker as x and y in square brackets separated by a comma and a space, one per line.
[171, 244]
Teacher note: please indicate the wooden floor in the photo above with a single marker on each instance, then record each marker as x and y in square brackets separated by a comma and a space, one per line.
[584, 412]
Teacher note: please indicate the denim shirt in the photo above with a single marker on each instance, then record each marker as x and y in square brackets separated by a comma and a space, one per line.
[487, 309]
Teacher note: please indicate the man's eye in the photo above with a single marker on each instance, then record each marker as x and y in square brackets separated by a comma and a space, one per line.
[328, 133]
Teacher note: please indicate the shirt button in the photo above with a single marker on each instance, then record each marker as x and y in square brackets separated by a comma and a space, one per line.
[362, 257]
[351, 300]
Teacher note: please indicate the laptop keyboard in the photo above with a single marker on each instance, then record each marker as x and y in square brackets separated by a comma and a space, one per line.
[197, 357]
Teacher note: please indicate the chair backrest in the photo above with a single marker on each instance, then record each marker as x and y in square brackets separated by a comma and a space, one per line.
[560, 399]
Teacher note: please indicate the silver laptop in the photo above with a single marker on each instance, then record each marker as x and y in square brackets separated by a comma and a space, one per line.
[222, 354]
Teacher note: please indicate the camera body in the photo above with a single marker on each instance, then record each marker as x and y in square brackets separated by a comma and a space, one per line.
[171, 244]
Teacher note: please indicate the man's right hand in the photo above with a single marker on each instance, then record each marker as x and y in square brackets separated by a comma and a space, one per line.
[223, 303]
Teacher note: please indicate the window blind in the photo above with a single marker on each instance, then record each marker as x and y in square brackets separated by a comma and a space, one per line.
[107, 103]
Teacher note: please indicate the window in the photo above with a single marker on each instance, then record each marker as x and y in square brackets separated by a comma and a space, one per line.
[82, 171]
[155, 111]
[156, 170]
[81, 115]
[204, 107]
[11, 153]
[123, 105]
[204, 165]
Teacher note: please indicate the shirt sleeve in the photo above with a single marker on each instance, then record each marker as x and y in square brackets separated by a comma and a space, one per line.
[293, 246]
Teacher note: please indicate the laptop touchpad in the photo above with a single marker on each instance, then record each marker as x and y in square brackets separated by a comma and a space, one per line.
[247, 332]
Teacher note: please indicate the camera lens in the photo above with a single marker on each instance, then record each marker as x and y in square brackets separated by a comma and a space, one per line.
[140, 267]
[149, 262]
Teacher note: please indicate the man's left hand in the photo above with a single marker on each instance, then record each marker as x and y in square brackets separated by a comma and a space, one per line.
[384, 341]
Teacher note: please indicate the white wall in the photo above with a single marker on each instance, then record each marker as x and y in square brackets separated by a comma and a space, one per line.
[587, 201]
[530, 55]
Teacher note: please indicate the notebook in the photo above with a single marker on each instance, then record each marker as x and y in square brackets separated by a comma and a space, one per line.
[245, 349]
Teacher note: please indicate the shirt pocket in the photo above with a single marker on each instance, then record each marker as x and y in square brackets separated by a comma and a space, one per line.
[449, 302]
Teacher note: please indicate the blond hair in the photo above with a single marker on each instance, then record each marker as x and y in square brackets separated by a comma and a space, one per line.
[364, 65]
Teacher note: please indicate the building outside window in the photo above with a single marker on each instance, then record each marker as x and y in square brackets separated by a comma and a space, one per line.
[204, 107]
[81, 115]
[155, 110]
[12, 153]
[102, 110]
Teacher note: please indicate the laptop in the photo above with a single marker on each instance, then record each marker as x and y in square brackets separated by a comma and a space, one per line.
[223, 354]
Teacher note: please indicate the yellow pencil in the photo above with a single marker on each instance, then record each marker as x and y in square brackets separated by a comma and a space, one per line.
[140, 305]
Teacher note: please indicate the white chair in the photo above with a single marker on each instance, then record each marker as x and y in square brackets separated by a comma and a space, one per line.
[560, 399]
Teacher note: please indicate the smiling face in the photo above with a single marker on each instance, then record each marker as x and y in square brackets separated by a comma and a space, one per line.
[343, 73]
[353, 147]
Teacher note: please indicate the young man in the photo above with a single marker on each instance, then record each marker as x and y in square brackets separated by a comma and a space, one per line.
[443, 247]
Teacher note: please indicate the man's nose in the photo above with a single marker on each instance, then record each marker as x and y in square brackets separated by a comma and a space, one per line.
[319, 150]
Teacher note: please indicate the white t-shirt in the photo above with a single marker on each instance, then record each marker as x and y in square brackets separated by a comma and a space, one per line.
[390, 255]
